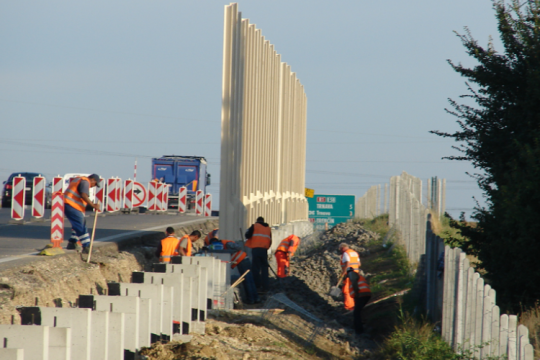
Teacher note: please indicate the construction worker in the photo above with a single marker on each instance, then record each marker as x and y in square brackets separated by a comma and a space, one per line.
[186, 243]
[259, 239]
[284, 253]
[76, 198]
[212, 234]
[168, 247]
[241, 260]
[361, 294]
[350, 268]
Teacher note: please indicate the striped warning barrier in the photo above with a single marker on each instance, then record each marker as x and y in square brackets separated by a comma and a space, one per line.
[18, 197]
[152, 192]
[38, 197]
[100, 195]
[208, 205]
[118, 198]
[111, 194]
[159, 196]
[165, 203]
[128, 194]
[57, 219]
[57, 184]
[199, 199]
[182, 199]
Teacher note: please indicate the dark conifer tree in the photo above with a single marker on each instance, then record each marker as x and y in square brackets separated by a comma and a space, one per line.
[500, 135]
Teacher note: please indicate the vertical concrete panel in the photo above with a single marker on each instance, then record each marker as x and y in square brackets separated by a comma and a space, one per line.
[12, 354]
[512, 337]
[60, 343]
[99, 340]
[130, 306]
[479, 316]
[34, 340]
[117, 336]
[503, 335]
[461, 297]
[495, 331]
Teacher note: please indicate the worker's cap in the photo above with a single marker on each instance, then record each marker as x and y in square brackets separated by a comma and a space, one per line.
[95, 177]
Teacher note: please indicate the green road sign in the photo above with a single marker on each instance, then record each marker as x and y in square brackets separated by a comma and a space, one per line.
[331, 209]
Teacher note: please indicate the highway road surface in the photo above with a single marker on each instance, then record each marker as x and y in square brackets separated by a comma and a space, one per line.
[18, 241]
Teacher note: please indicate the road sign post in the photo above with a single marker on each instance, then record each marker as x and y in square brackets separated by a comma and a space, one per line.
[18, 198]
[128, 194]
[111, 195]
[182, 199]
[199, 199]
[330, 210]
[159, 196]
[38, 197]
[165, 197]
[100, 195]
[118, 196]
[208, 205]
[57, 184]
[57, 219]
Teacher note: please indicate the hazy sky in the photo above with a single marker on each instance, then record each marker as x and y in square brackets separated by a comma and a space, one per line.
[88, 86]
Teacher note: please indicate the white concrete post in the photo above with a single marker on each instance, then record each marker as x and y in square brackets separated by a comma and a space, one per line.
[495, 331]
[523, 341]
[503, 335]
[512, 337]
[479, 316]
[463, 263]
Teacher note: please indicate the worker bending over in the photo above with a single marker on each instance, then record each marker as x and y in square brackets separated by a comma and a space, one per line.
[186, 243]
[361, 294]
[168, 247]
[259, 237]
[76, 197]
[284, 253]
[241, 260]
[350, 268]
[212, 234]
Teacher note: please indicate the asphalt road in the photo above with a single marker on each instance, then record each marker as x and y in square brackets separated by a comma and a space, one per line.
[24, 240]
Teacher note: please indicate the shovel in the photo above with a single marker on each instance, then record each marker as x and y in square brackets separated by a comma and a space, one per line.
[92, 239]
[334, 290]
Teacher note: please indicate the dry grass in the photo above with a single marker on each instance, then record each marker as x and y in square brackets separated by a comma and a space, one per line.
[531, 319]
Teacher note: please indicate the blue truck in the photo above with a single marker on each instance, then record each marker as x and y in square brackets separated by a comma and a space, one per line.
[178, 171]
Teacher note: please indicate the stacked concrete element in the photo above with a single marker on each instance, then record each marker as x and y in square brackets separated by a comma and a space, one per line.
[436, 195]
[369, 205]
[263, 141]
[156, 306]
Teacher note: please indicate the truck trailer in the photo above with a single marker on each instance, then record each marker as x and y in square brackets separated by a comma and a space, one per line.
[178, 171]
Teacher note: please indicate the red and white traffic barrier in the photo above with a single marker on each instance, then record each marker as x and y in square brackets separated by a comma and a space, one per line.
[208, 205]
[100, 195]
[165, 203]
[118, 198]
[57, 219]
[139, 194]
[199, 198]
[152, 196]
[159, 197]
[57, 184]
[111, 195]
[128, 194]
[182, 199]
[18, 196]
[38, 197]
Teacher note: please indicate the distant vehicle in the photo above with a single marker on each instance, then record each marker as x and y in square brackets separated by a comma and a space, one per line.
[8, 189]
[178, 171]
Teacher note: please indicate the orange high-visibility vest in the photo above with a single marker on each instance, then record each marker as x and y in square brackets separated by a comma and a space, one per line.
[363, 287]
[262, 237]
[211, 234]
[354, 261]
[189, 245]
[72, 196]
[289, 245]
[169, 247]
[237, 258]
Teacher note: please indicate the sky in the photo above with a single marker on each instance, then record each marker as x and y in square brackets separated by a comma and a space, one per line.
[90, 86]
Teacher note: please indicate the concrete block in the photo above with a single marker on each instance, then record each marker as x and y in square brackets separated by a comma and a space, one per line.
[79, 320]
[59, 343]
[210, 264]
[181, 295]
[130, 306]
[117, 336]
[99, 339]
[34, 340]
[11, 354]
[145, 338]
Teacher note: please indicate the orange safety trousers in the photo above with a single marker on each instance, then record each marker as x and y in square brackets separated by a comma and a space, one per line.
[348, 300]
[282, 264]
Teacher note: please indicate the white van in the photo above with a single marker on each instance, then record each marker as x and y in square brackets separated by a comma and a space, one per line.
[67, 179]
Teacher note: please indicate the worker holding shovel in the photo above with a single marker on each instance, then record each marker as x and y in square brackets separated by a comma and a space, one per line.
[241, 260]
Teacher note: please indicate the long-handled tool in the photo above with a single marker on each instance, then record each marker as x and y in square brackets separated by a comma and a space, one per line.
[92, 239]
[334, 290]
[240, 279]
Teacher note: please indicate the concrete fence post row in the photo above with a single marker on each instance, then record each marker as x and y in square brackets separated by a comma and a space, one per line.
[167, 304]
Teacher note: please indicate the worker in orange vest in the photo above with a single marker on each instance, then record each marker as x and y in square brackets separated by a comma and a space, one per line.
[241, 260]
[350, 268]
[212, 234]
[284, 253]
[186, 243]
[259, 239]
[361, 294]
[76, 197]
[168, 247]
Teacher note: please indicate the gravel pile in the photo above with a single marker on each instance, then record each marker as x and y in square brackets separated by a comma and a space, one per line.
[319, 268]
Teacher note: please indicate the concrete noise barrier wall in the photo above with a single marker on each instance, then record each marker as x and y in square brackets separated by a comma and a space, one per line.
[263, 132]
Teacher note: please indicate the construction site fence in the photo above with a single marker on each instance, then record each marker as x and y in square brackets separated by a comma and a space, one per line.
[453, 293]
[263, 132]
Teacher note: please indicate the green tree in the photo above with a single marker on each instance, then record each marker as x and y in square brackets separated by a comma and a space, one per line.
[500, 135]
